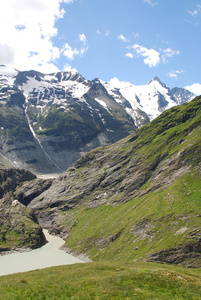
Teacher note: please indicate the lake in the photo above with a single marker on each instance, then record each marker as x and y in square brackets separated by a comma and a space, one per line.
[48, 255]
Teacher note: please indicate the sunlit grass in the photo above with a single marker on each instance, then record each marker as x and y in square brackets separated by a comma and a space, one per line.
[104, 280]
[109, 232]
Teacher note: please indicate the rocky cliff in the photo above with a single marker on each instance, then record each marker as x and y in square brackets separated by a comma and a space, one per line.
[19, 228]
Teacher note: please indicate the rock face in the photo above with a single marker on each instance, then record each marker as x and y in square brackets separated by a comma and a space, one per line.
[30, 190]
[47, 122]
[10, 178]
[189, 253]
[19, 226]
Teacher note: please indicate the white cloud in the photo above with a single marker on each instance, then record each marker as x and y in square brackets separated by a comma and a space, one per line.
[67, 1]
[83, 50]
[174, 74]
[194, 88]
[83, 38]
[168, 53]
[69, 52]
[130, 55]
[122, 38]
[151, 56]
[119, 84]
[136, 34]
[27, 29]
[6, 55]
[195, 12]
[107, 33]
[68, 68]
[150, 2]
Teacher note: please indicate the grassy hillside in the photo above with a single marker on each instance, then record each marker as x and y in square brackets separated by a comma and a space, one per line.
[126, 206]
[134, 230]
[138, 199]
[104, 281]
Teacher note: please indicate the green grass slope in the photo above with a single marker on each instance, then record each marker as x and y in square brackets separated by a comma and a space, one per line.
[135, 201]
[143, 226]
[138, 199]
[104, 281]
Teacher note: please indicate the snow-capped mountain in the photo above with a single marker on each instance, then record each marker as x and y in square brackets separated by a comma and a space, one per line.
[48, 121]
[152, 98]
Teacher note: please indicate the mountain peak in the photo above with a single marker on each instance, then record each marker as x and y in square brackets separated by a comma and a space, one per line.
[157, 79]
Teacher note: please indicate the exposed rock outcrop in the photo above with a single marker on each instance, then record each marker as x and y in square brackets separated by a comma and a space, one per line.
[188, 255]
[10, 178]
[19, 228]
[30, 190]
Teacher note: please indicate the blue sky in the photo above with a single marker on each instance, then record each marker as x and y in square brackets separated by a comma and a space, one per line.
[133, 40]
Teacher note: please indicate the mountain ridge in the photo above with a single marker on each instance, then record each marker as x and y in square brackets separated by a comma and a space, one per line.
[49, 121]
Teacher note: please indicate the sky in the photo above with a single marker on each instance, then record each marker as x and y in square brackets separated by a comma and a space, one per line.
[132, 40]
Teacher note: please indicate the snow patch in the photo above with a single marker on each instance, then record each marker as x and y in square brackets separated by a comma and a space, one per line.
[101, 102]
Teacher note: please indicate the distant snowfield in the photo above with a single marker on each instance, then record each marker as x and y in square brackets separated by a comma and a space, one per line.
[78, 89]
[147, 94]
[59, 88]
[47, 256]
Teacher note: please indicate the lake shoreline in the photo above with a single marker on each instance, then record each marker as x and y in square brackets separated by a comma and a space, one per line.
[49, 255]
[67, 250]
[80, 256]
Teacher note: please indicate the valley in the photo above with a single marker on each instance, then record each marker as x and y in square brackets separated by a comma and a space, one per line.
[123, 191]
[142, 191]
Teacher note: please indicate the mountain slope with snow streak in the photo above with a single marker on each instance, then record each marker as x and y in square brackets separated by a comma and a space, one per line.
[47, 121]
